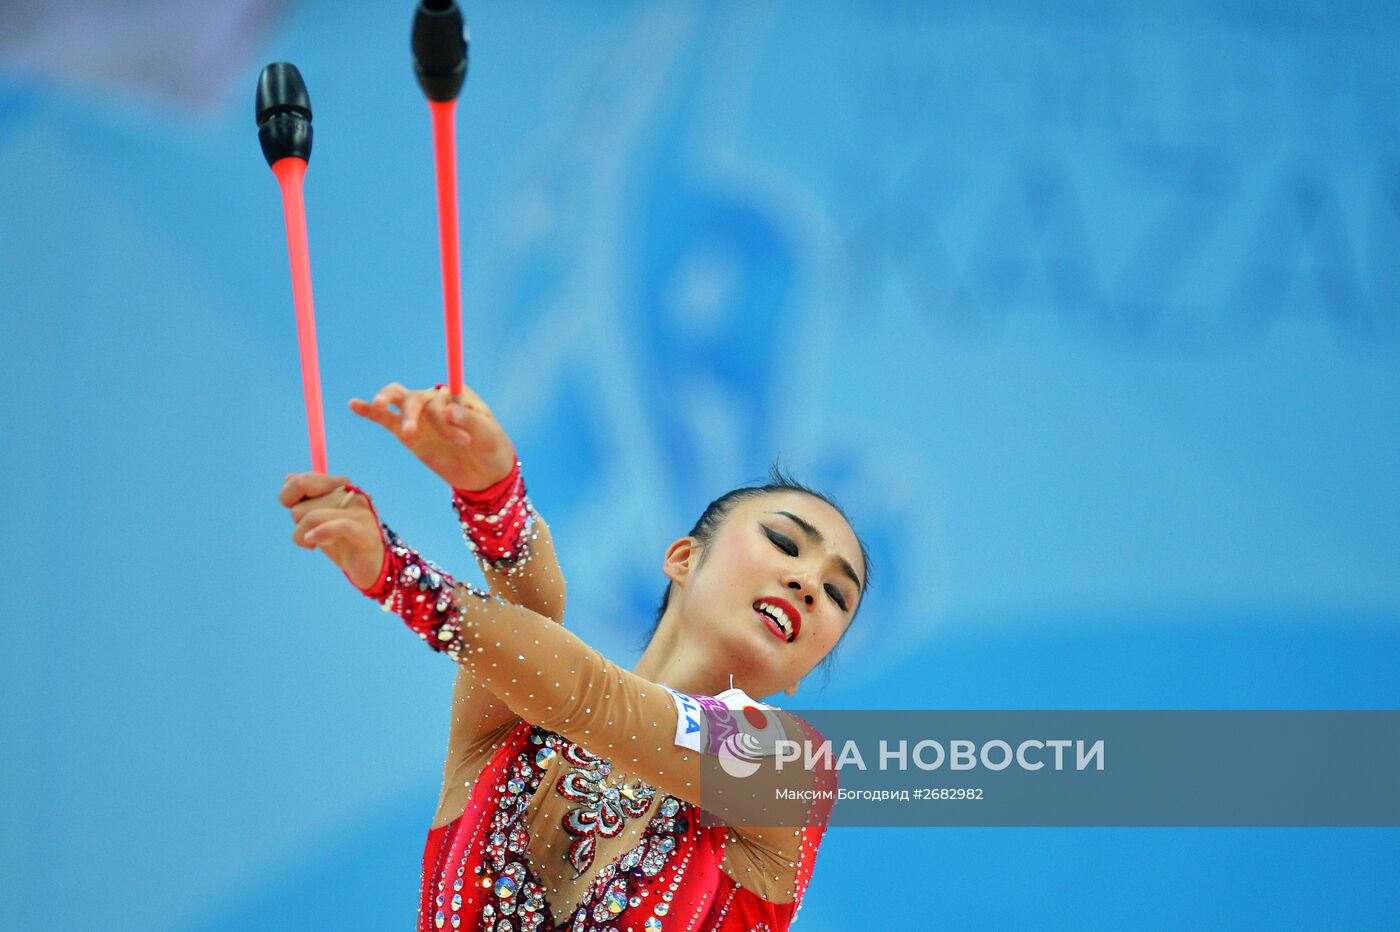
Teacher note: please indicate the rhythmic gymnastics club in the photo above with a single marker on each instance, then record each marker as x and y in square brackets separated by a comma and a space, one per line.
[440, 62]
[284, 131]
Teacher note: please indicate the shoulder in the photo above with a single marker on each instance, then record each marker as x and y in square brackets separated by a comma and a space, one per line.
[703, 723]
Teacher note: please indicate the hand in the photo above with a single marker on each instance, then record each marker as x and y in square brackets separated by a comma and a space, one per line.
[456, 437]
[337, 522]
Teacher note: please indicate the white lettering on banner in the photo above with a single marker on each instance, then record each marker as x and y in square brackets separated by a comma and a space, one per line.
[1001, 746]
[919, 757]
[787, 751]
[850, 754]
[1059, 744]
[962, 754]
[1094, 753]
[690, 733]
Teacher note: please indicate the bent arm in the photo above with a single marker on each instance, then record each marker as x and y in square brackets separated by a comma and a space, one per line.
[513, 545]
[539, 671]
[549, 677]
[540, 585]
[515, 550]
[460, 439]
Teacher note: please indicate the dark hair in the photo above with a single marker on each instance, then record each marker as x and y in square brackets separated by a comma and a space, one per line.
[714, 515]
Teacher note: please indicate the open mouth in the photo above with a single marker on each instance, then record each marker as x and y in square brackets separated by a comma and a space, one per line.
[781, 620]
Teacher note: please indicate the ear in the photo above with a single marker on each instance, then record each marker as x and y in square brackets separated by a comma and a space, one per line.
[679, 559]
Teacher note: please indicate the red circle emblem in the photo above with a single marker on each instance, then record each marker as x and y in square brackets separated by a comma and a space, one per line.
[755, 716]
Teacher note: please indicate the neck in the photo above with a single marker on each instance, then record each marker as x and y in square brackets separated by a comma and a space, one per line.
[686, 668]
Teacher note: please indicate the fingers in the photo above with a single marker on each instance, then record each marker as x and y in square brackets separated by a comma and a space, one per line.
[327, 525]
[456, 416]
[471, 401]
[441, 414]
[333, 529]
[381, 415]
[391, 394]
[483, 426]
[338, 499]
[469, 418]
[378, 409]
[412, 407]
[469, 397]
[303, 485]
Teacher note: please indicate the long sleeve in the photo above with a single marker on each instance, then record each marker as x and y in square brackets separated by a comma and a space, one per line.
[513, 546]
[477, 714]
[549, 677]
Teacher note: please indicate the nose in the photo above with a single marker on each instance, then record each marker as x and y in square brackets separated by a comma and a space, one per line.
[794, 583]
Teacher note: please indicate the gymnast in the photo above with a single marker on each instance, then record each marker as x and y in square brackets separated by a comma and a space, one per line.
[571, 790]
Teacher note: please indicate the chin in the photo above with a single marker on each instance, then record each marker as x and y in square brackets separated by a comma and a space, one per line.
[751, 653]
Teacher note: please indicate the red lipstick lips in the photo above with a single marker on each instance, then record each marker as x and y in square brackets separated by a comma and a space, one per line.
[792, 616]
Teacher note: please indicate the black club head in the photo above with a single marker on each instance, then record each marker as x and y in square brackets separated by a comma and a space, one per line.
[283, 111]
[440, 49]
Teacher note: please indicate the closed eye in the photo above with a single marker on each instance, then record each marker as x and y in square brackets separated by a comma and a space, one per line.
[785, 544]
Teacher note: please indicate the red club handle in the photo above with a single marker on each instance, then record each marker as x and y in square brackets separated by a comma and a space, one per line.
[445, 159]
[290, 173]
[439, 43]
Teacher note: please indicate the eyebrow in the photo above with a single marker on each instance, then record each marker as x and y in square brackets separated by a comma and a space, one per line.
[816, 537]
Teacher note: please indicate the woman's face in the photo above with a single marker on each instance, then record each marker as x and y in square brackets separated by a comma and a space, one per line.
[778, 583]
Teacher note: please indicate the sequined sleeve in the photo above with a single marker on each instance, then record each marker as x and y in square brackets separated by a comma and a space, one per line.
[512, 544]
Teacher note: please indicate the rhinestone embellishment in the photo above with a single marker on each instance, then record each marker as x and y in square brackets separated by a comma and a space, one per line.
[517, 897]
[605, 809]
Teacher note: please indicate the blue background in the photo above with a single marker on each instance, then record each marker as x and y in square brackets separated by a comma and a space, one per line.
[1089, 313]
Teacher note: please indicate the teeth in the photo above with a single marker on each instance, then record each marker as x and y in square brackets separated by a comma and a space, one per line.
[779, 618]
